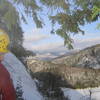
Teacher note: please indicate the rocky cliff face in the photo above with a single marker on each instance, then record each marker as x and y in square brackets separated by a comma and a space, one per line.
[89, 57]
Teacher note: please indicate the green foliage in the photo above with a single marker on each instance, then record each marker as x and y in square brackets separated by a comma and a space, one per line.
[20, 51]
[49, 85]
[96, 13]
[56, 4]
[8, 14]
[31, 9]
[70, 19]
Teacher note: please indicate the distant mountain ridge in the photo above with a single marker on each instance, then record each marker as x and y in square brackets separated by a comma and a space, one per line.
[51, 55]
[89, 57]
[65, 55]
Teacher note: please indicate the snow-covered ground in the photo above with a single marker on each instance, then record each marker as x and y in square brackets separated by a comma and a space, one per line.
[21, 78]
[82, 94]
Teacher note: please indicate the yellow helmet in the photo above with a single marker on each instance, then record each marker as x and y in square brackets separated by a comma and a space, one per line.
[4, 41]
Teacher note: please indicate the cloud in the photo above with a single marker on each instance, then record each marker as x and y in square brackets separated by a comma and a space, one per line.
[81, 44]
[32, 41]
[45, 46]
[35, 36]
[51, 44]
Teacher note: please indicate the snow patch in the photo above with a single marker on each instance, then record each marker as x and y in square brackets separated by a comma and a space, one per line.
[82, 94]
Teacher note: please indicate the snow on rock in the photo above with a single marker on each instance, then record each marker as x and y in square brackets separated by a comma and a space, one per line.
[21, 78]
[82, 94]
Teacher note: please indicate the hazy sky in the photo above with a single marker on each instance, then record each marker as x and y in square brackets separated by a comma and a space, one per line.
[40, 40]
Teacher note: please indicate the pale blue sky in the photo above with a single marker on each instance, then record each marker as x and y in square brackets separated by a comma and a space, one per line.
[43, 41]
